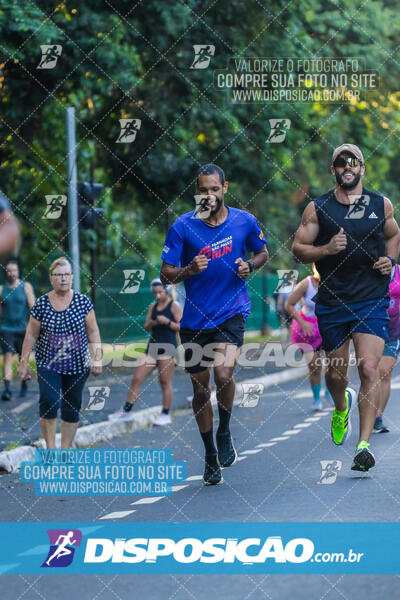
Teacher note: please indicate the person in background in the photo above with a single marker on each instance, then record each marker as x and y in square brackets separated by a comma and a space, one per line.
[9, 236]
[9, 229]
[390, 350]
[62, 324]
[282, 293]
[305, 331]
[17, 298]
[163, 317]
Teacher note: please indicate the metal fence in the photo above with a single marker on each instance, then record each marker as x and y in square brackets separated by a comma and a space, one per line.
[121, 315]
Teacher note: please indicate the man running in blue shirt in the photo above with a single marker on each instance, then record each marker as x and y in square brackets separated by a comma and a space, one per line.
[206, 249]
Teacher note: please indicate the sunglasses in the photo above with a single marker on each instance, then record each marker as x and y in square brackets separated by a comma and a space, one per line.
[342, 161]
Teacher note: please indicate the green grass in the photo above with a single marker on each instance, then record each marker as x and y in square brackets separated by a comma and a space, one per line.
[262, 338]
[12, 445]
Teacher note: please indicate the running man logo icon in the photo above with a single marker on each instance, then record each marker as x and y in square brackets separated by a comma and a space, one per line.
[50, 56]
[251, 393]
[63, 543]
[279, 129]
[357, 207]
[55, 205]
[286, 277]
[204, 206]
[133, 279]
[62, 348]
[129, 129]
[97, 397]
[330, 469]
[202, 56]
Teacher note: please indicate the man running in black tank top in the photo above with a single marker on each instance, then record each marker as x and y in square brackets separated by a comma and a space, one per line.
[162, 321]
[352, 236]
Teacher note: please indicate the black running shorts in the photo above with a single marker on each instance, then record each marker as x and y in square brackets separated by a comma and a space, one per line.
[11, 341]
[194, 341]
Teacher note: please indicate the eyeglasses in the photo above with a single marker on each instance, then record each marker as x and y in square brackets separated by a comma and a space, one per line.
[61, 275]
[342, 161]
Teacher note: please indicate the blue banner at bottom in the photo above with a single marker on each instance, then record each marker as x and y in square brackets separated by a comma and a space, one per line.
[192, 548]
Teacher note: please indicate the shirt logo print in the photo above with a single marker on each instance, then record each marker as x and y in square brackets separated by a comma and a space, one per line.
[357, 207]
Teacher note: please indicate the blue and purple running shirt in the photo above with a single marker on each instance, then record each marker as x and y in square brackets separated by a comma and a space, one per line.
[217, 293]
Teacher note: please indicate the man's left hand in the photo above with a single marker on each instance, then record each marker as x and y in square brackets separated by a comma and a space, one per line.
[383, 265]
[243, 268]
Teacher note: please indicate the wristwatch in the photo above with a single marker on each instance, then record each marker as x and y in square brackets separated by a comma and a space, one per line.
[251, 265]
[391, 260]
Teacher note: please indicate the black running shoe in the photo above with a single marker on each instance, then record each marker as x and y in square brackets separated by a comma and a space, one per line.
[379, 427]
[227, 455]
[212, 471]
[6, 395]
[363, 459]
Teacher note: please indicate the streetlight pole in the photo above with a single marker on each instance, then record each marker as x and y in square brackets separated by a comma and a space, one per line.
[73, 219]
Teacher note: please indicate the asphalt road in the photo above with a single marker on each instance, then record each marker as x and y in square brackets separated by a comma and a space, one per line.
[280, 443]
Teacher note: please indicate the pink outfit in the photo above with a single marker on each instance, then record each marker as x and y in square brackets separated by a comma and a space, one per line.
[297, 336]
[394, 306]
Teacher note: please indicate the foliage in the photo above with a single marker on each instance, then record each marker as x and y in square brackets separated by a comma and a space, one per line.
[131, 60]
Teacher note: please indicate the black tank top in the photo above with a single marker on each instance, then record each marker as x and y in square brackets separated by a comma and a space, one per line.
[348, 277]
[163, 334]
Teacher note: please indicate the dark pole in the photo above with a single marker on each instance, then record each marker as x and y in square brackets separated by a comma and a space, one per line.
[93, 248]
[73, 220]
[93, 270]
[264, 301]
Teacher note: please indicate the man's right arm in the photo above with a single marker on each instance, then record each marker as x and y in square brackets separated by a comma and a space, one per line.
[171, 275]
[303, 250]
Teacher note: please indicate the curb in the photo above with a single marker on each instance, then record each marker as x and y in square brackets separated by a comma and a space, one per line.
[10, 460]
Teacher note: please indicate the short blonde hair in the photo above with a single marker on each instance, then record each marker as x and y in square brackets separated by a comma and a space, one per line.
[59, 262]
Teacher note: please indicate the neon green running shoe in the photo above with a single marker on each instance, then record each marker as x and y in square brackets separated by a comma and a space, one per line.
[341, 425]
[363, 459]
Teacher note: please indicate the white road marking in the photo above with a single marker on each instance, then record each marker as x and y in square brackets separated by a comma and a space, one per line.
[176, 488]
[149, 500]
[118, 515]
[267, 445]
[303, 395]
[243, 455]
[23, 406]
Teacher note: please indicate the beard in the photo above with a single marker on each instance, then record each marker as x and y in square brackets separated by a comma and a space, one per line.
[217, 206]
[347, 185]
